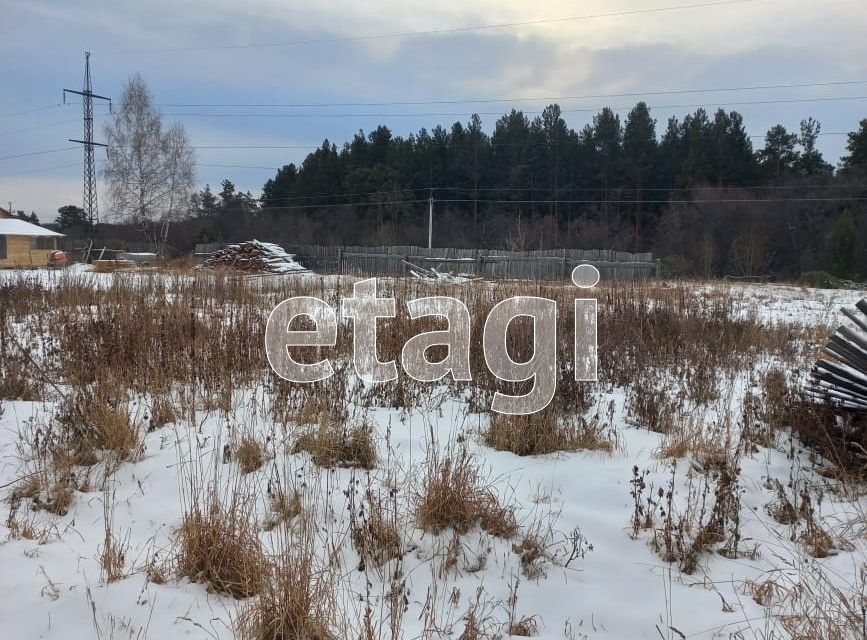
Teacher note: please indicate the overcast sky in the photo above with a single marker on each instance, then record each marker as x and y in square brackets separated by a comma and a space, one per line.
[198, 53]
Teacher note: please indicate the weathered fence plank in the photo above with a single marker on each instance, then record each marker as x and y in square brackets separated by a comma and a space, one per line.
[551, 264]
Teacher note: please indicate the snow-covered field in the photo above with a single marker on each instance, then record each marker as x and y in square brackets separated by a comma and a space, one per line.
[591, 567]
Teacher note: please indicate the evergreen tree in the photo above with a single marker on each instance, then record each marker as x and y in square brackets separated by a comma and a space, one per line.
[811, 162]
[639, 151]
[733, 151]
[205, 203]
[31, 217]
[227, 194]
[510, 162]
[844, 259]
[671, 153]
[857, 147]
[697, 167]
[607, 140]
[281, 187]
[778, 157]
[71, 217]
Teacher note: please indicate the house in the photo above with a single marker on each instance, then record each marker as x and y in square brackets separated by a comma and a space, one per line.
[23, 244]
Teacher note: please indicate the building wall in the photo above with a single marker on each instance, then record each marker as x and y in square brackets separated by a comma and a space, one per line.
[19, 253]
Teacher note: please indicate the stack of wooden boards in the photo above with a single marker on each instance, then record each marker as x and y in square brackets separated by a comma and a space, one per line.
[254, 257]
[843, 382]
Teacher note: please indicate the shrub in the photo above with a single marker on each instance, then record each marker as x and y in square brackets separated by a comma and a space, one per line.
[297, 598]
[88, 423]
[453, 496]
[374, 532]
[819, 280]
[219, 544]
[250, 454]
[333, 445]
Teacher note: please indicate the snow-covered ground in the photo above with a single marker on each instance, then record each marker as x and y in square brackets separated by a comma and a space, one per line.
[622, 588]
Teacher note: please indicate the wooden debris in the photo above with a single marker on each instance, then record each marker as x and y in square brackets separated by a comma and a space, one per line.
[110, 266]
[842, 382]
[254, 257]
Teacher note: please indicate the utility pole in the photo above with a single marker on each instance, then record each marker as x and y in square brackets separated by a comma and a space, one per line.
[87, 95]
[430, 221]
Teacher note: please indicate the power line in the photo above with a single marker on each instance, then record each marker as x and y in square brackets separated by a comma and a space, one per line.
[302, 147]
[409, 190]
[632, 94]
[44, 126]
[447, 30]
[346, 204]
[318, 146]
[236, 166]
[24, 113]
[40, 169]
[497, 113]
[660, 201]
[696, 188]
[432, 142]
[571, 201]
[37, 153]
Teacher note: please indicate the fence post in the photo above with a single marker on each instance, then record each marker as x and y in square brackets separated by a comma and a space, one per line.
[658, 267]
[340, 260]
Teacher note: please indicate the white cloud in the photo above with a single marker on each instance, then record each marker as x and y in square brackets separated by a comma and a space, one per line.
[762, 42]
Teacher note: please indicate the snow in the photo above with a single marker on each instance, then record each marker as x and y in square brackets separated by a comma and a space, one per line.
[273, 255]
[17, 227]
[621, 589]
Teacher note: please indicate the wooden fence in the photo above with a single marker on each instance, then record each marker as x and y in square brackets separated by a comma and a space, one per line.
[553, 264]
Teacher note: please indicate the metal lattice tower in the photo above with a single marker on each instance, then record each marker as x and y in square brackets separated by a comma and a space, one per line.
[91, 209]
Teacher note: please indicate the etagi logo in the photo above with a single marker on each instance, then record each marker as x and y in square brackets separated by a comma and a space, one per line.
[365, 308]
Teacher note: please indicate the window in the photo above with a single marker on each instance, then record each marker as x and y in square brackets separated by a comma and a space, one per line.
[42, 242]
[2, 247]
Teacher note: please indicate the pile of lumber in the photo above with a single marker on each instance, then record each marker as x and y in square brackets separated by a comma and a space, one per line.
[843, 381]
[110, 266]
[254, 257]
[431, 273]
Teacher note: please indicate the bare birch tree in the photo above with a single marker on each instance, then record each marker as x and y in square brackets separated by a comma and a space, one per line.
[150, 171]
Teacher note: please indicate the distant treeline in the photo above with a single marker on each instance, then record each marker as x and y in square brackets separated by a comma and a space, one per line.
[700, 195]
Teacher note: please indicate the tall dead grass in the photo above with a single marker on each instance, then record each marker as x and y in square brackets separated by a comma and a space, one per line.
[218, 540]
[453, 495]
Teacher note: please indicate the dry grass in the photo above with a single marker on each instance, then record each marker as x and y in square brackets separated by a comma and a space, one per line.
[250, 454]
[16, 379]
[335, 445]
[284, 507]
[651, 405]
[805, 604]
[89, 423]
[532, 553]
[162, 412]
[112, 557]
[297, 599]
[524, 627]
[375, 534]
[546, 431]
[815, 539]
[709, 520]
[193, 341]
[29, 527]
[218, 543]
[453, 495]
[57, 499]
[777, 398]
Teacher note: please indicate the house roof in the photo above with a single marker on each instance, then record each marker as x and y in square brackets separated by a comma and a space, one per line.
[16, 227]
